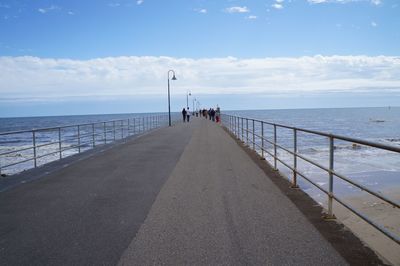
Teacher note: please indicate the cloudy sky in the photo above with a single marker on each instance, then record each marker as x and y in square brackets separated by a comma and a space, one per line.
[100, 56]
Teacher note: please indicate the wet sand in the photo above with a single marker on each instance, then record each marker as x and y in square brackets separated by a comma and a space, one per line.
[381, 213]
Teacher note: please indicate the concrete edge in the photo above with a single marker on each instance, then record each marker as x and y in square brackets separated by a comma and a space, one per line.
[349, 246]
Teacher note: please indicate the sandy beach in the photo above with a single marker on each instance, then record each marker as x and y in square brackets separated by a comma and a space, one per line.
[381, 213]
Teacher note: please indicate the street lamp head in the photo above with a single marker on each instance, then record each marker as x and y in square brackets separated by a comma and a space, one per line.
[174, 78]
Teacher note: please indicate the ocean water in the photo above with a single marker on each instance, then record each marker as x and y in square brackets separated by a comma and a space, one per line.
[377, 169]
[16, 148]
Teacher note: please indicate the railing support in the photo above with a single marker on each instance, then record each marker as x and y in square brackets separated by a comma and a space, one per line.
[34, 148]
[59, 142]
[275, 153]
[254, 137]
[122, 129]
[79, 139]
[237, 128]
[105, 133]
[262, 141]
[242, 130]
[330, 214]
[247, 131]
[234, 126]
[294, 181]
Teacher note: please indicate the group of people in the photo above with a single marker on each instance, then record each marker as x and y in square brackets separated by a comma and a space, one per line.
[186, 114]
[214, 115]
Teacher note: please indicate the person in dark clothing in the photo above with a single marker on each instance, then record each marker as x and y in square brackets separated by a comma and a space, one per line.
[184, 115]
[213, 114]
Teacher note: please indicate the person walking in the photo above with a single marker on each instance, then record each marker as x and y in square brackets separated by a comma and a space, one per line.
[184, 115]
[188, 114]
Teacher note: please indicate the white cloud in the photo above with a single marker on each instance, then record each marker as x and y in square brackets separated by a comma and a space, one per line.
[277, 6]
[374, 2]
[33, 77]
[252, 17]
[45, 10]
[374, 24]
[201, 10]
[139, 2]
[280, 1]
[237, 9]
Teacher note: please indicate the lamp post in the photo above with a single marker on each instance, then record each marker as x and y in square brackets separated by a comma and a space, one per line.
[188, 93]
[169, 102]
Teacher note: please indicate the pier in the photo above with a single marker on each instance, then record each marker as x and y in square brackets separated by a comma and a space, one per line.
[190, 194]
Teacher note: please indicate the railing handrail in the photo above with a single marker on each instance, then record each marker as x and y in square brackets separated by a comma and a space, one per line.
[238, 129]
[325, 134]
[82, 132]
[70, 125]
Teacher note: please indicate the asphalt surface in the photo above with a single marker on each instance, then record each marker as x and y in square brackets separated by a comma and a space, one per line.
[219, 208]
[88, 212]
[185, 195]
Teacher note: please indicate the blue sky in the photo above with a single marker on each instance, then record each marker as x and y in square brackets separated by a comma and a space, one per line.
[83, 53]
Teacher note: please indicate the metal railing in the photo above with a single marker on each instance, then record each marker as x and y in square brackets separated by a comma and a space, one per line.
[63, 141]
[239, 126]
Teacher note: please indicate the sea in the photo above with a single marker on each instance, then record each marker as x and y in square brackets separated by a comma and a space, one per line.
[374, 168]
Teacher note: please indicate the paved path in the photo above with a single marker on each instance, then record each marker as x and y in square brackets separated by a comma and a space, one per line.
[186, 195]
[88, 212]
[219, 208]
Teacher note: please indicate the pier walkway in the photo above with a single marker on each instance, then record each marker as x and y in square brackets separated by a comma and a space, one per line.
[184, 195]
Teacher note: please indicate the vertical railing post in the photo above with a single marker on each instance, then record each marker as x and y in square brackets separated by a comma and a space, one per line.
[247, 131]
[262, 140]
[122, 129]
[34, 148]
[143, 124]
[254, 137]
[237, 127]
[114, 129]
[93, 136]
[242, 129]
[59, 142]
[79, 139]
[134, 126]
[294, 181]
[275, 153]
[105, 133]
[129, 127]
[234, 125]
[330, 194]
